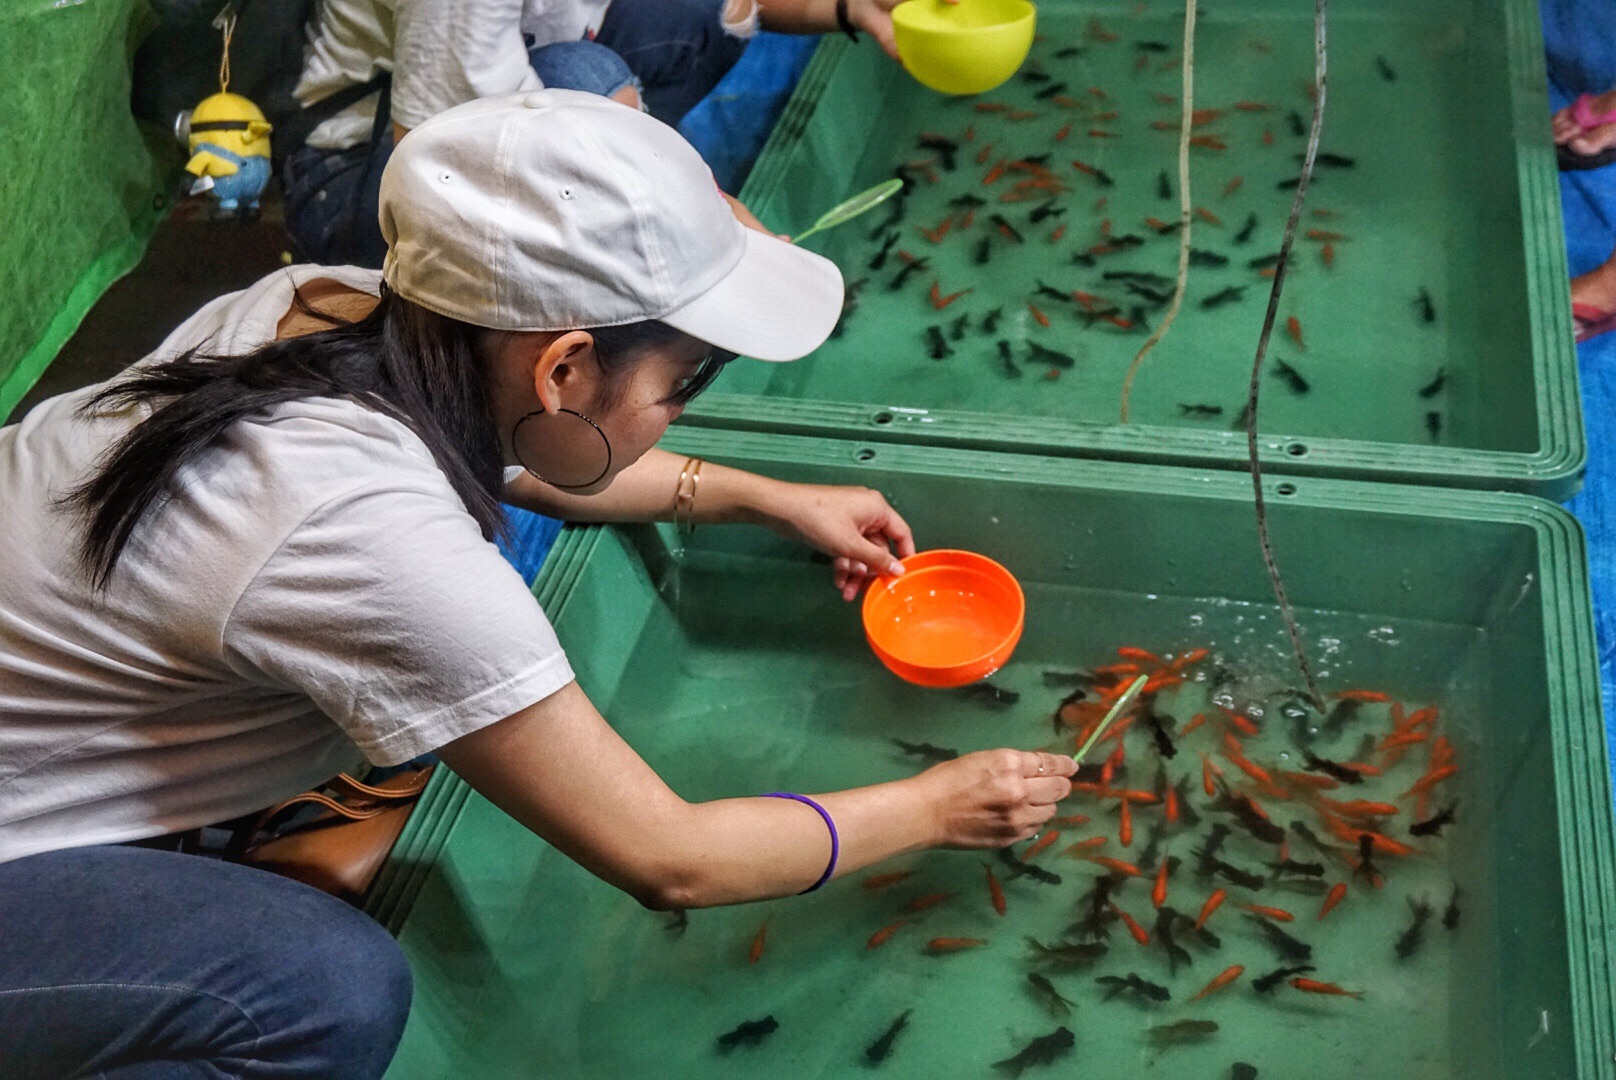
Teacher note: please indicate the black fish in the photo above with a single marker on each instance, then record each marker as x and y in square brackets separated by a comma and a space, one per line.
[1177, 955]
[1244, 417]
[967, 201]
[1301, 829]
[1091, 317]
[1116, 984]
[1165, 747]
[1044, 1050]
[1202, 934]
[1083, 258]
[1168, 227]
[946, 148]
[992, 695]
[1148, 293]
[1080, 693]
[1277, 976]
[1019, 867]
[1246, 230]
[1198, 257]
[678, 922]
[880, 258]
[1065, 955]
[1305, 885]
[1095, 925]
[1433, 825]
[1306, 869]
[1245, 812]
[1126, 241]
[1434, 387]
[1207, 853]
[1286, 946]
[1050, 91]
[1297, 127]
[1068, 678]
[1047, 210]
[1340, 713]
[1242, 1071]
[1034, 76]
[1263, 262]
[1005, 227]
[1186, 813]
[1138, 276]
[1433, 424]
[1243, 878]
[1164, 186]
[1331, 161]
[895, 207]
[1450, 917]
[936, 347]
[1292, 377]
[1366, 851]
[1014, 372]
[1036, 159]
[1329, 768]
[1427, 308]
[1224, 296]
[1050, 291]
[927, 750]
[983, 247]
[1068, 52]
[908, 269]
[990, 321]
[1044, 355]
[1408, 943]
[1151, 46]
[878, 1051]
[1182, 1031]
[750, 1031]
[1385, 69]
[956, 329]
[1092, 772]
[1050, 998]
[1158, 832]
[1199, 410]
[1290, 185]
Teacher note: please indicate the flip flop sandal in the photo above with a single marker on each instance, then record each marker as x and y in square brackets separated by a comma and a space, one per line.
[1592, 321]
[1582, 112]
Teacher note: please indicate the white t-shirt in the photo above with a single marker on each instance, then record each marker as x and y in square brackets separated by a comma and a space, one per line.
[314, 591]
[442, 53]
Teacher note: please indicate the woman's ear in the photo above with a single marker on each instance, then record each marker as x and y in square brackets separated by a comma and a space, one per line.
[564, 364]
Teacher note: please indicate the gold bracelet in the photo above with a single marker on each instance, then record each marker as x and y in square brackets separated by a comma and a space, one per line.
[684, 501]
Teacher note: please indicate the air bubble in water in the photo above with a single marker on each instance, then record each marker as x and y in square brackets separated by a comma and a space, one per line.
[1386, 635]
[1197, 619]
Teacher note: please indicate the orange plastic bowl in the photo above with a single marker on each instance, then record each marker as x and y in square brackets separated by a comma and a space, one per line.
[953, 618]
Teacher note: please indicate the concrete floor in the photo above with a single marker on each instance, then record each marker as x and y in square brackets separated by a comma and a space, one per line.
[190, 261]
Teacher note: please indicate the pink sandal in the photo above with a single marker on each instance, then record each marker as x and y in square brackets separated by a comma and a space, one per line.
[1582, 113]
[1591, 321]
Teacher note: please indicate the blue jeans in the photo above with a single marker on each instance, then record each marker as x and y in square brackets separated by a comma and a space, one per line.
[674, 51]
[128, 963]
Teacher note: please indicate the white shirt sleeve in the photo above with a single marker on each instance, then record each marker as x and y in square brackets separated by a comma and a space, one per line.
[399, 621]
[449, 52]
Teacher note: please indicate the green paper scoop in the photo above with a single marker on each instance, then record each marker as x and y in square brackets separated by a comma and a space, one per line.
[848, 210]
[1116, 710]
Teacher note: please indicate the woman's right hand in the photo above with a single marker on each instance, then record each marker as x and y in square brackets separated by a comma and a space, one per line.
[994, 798]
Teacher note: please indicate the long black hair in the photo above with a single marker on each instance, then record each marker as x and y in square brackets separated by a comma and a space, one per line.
[423, 369]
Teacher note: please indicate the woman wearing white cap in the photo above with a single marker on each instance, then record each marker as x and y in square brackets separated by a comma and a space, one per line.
[265, 550]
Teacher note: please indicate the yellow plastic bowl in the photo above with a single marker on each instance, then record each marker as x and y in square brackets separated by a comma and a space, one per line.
[964, 48]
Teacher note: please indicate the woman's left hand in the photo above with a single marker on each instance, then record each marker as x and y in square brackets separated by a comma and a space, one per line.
[855, 526]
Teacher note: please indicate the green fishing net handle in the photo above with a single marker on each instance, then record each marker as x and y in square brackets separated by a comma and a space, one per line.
[1116, 710]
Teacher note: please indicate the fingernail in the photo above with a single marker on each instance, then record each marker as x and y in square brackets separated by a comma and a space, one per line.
[895, 568]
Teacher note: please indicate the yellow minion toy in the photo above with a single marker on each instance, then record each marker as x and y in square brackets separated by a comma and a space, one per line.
[228, 139]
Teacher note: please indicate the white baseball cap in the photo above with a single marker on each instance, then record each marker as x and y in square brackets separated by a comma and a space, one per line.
[559, 210]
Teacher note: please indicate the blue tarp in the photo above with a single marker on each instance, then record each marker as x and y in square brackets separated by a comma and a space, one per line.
[1580, 38]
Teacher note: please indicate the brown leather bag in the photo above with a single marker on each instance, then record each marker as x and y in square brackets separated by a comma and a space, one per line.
[341, 850]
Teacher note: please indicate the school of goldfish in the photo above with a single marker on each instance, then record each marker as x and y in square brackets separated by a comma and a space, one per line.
[1180, 816]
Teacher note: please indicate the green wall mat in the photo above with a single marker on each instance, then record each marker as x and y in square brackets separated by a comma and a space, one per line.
[1453, 190]
[733, 669]
[82, 189]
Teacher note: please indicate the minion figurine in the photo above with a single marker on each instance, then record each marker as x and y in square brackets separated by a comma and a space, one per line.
[228, 139]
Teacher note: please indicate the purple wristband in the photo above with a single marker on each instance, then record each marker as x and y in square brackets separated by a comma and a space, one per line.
[835, 841]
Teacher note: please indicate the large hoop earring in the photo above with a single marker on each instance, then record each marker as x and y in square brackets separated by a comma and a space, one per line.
[517, 450]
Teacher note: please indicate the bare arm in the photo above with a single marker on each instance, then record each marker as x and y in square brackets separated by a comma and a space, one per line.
[559, 769]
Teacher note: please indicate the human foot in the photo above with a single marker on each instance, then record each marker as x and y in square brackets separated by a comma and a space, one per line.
[1593, 300]
[1576, 127]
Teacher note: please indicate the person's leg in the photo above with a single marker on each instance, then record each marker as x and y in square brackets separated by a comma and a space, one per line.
[586, 66]
[137, 964]
[1587, 142]
[679, 49]
[331, 199]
